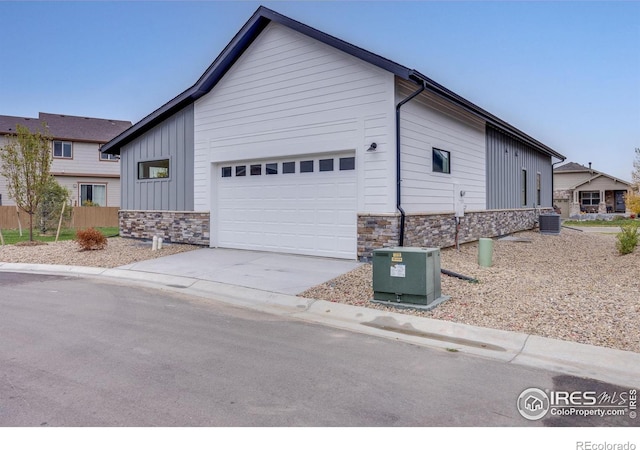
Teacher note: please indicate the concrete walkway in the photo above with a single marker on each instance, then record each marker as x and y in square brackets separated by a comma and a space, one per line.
[614, 366]
[272, 272]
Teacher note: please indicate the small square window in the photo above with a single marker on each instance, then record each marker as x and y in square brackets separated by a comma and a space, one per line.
[289, 167]
[226, 172]
[256, 169]
[306, 166]
[441, 161]
[326, 165]
[348, 163]
[62, 149]
[241, 171]
[271, 168]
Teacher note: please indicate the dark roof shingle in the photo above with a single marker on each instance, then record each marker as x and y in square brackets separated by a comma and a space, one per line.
[72, 128]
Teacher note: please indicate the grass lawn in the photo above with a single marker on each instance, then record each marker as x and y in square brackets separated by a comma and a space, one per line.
[600, 223]
[13, 236]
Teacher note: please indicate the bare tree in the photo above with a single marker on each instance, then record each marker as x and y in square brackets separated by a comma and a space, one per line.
[25, 162]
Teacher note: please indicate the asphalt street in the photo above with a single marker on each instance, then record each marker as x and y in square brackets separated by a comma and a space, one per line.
[89, 352]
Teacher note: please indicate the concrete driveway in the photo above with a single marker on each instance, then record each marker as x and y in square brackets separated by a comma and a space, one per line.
[274, 272]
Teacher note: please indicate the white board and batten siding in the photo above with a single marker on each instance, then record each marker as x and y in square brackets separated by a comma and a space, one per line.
[292, 98]
[428, 122]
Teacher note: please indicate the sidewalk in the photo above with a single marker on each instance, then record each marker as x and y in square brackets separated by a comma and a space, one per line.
[609, 365]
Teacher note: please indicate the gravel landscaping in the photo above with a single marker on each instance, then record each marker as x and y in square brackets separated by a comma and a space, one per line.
[573, 287]
[117, 253]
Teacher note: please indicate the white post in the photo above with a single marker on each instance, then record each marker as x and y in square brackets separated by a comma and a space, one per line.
[159, 243]
[154, 245]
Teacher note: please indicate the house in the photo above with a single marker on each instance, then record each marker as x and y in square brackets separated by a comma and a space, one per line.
[579, 189]
[77, 163]
[295, 141]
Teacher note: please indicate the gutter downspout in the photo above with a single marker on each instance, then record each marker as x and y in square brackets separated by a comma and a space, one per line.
[398, 169]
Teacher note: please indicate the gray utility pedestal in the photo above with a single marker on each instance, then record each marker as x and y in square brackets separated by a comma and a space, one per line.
[408, 277]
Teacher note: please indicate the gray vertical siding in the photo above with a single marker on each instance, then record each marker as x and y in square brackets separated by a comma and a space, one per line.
[506, 157]
[172, 139]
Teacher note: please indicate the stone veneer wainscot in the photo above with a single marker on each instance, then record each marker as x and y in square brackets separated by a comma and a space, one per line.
[439, 230]
[184, 227]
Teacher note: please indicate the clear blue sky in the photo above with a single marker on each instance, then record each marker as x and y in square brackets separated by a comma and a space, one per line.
[567, 73]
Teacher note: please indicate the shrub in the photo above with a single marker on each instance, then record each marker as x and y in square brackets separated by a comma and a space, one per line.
[91, 239]
[632, 202]
[48, 213]
[627, 238]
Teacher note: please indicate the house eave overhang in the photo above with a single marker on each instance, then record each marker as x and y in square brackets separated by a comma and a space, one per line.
[252, 29]
[614, 179]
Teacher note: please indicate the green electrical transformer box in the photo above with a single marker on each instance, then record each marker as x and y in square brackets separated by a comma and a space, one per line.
[407, 275]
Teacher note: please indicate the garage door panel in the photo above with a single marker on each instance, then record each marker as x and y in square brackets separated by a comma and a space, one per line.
[304, 213]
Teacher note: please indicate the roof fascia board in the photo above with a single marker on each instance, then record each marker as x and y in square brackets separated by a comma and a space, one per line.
[241, 41]
[248, 33]
[500, 124]
[205, 83]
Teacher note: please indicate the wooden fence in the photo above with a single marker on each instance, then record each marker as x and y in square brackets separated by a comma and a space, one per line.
[82, 217]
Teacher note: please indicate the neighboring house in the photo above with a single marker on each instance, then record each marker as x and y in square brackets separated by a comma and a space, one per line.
[579, 189]
[77, 162]
[295, 141]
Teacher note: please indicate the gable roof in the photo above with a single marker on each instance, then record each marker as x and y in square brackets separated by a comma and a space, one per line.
[600, 175]
[572, 167]
[72, 128]
[250, 31]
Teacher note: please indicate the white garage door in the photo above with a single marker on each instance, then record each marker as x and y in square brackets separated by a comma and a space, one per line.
[299, 205]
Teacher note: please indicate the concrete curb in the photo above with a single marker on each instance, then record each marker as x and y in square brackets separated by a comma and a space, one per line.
[609, 365]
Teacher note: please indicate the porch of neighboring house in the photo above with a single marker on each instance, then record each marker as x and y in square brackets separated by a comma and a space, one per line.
[598, 202]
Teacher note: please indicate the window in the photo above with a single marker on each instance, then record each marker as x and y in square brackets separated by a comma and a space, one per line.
[306, 166]
[226, 172]
[93, 195]
[538, 189]
[256, 169]
[441, 161]
[271, 168]
[241, 171]
[590, 198]
[62, 149]
[326, 165]
[108, 157]
[289, 167]
[523, 192]
[348, 163]
[148, 170]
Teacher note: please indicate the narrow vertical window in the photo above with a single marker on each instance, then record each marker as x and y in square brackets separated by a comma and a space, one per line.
[524, 188]
[538, 189]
